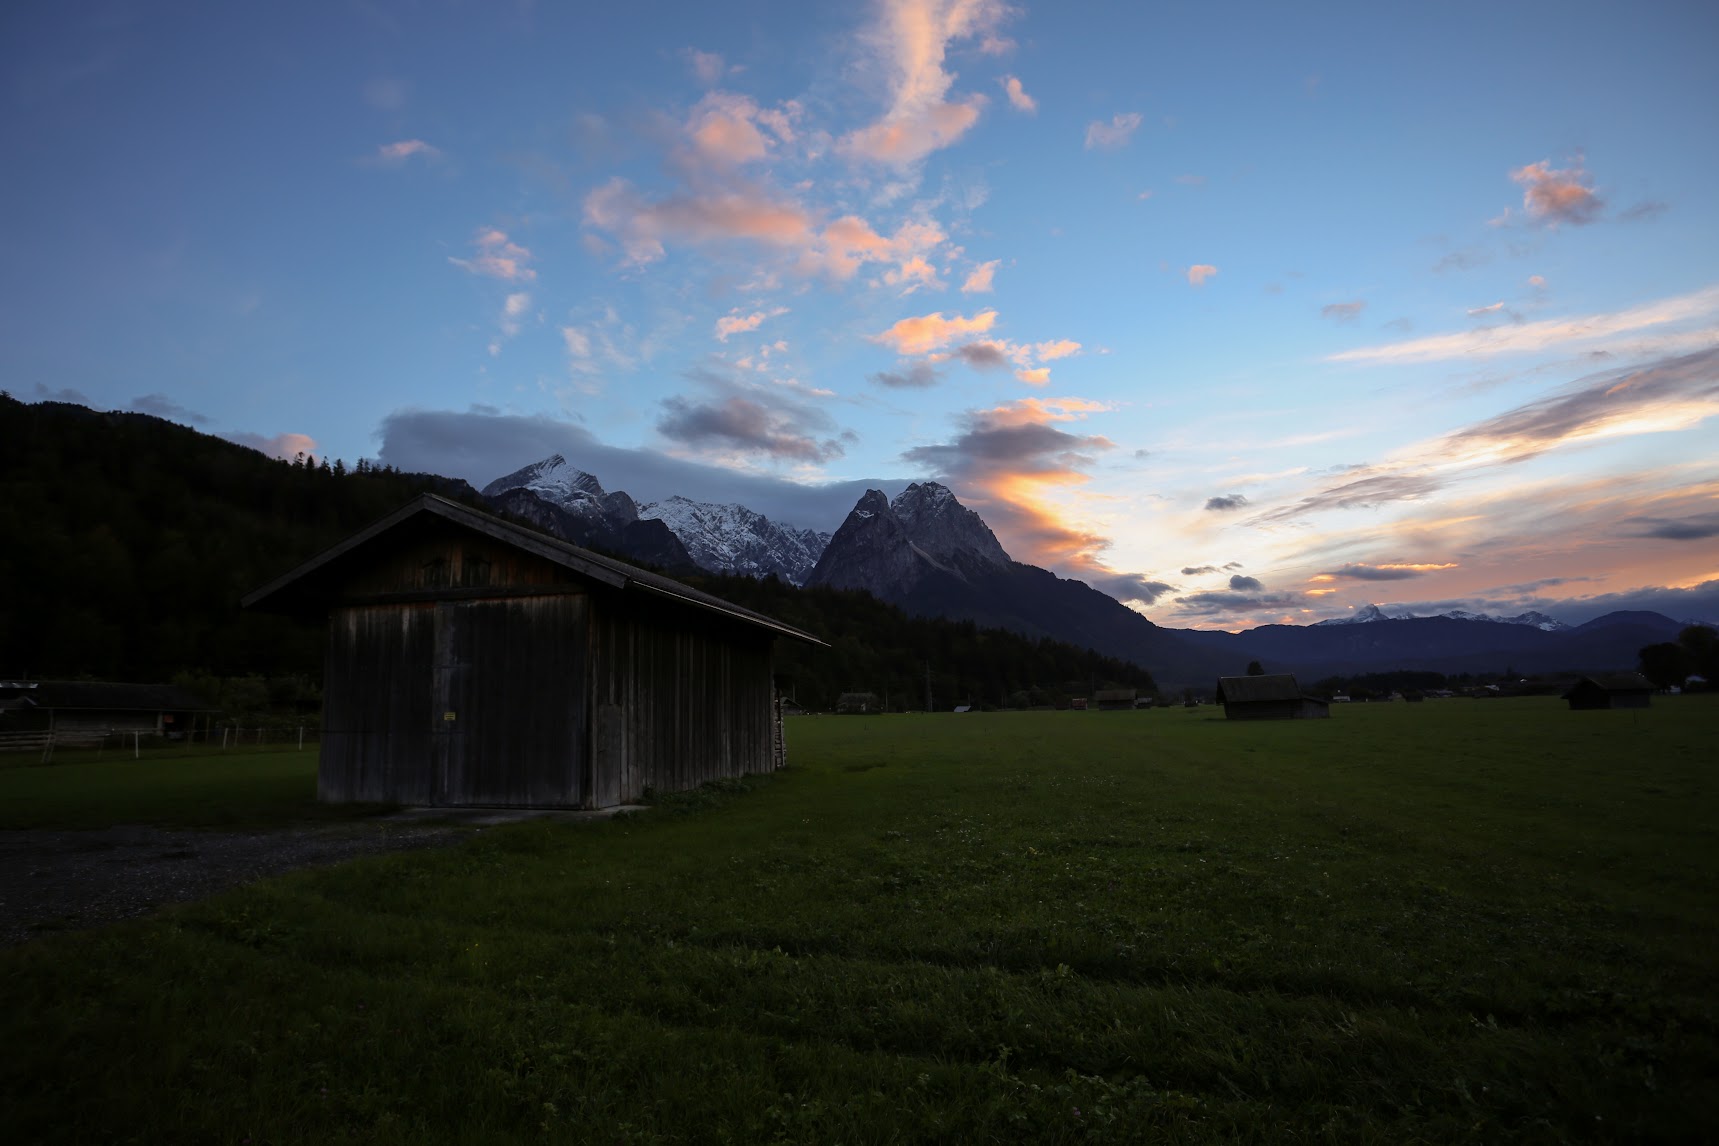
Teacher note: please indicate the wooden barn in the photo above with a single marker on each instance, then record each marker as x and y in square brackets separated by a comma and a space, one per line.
[475, 662]
[1272, 697]
[1610, 690]
[1115, 699]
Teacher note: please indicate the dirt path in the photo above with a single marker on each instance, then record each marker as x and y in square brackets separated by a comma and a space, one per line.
[59, 881]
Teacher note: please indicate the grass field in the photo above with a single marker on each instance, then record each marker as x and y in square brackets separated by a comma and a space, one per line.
[196, 788]
[1449, 922]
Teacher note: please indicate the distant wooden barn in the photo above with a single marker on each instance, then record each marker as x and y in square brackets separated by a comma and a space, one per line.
[89, 707]
[1275, 696]
[1610, 690]
[1115, 699]
[473, 661]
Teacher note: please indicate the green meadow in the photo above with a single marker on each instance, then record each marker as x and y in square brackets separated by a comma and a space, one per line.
[1457, 921]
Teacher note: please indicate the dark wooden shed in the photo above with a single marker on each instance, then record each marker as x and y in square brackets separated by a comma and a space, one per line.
[1275, 696]
[1115, 699]
[476, 662]
[1610, 690]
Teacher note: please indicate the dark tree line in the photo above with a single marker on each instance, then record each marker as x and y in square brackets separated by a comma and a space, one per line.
[1694, 653]
[129, 540]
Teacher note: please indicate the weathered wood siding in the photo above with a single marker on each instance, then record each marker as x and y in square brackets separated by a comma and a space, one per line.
[377, 702]
[676, 701]
[1275, 710]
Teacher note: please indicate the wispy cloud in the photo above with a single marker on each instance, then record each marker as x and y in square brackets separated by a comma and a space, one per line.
[498, 257]
[1225, 503]
[911, 41]
[1544, 334]
[1400, 571]
[911, 376]
[164, 407]
[1101, 136]
[707, 67]
[398, 152]
[979, 279]
[1343, 311]
[1553, 196]
[285, 446]
[1200, 272]
[928, 332]
[1018, 97]
[743, 420]
[737, 323]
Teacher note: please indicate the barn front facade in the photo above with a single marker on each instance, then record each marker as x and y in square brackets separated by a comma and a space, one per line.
[1274, 696]
[472, 661]
[1610, 690]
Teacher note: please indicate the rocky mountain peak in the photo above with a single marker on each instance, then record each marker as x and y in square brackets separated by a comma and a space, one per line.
[940, 525]
[554, 480]
[730, 538]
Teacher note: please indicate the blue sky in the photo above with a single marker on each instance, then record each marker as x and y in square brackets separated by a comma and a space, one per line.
[1244, 313]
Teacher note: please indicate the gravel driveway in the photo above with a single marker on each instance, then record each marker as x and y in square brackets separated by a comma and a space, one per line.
[59, 881]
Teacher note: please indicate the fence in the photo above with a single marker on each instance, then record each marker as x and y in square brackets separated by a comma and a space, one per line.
[99, 743]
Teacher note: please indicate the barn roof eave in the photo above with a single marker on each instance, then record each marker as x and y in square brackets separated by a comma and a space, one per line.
[604, 570]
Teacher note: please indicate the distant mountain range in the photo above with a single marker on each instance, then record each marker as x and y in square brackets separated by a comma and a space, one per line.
[932, 556]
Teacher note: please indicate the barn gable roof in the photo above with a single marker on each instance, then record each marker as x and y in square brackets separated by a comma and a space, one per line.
[1613, 682]
[1250, 689]
[311, 580]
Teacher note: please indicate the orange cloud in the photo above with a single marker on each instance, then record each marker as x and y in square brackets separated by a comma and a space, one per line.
[498, 257]
[1060, 348]
[1558, 196]
[979, 280]
[1018, 97]
[929, 332]
[1037, 376]
[1012, 459]
[1200, 272]
[911, 40]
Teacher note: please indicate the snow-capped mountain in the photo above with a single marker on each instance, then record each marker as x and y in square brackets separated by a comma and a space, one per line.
[733, 539]
[719, 538]
[887, 548]
[1369, 613]
[568, 488]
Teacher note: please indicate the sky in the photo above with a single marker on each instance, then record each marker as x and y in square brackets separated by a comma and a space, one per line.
[1243, 313]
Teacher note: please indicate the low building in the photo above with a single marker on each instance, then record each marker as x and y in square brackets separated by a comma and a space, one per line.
[1609, 690]
[1275, 696]
[473, 661]
[1115, 699]
[95, 708]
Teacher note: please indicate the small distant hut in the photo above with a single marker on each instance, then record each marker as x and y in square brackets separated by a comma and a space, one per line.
[1115, 699]
[1275, 696]
[473, 661]
[96, 708]
[1609, 690]
[858, 704]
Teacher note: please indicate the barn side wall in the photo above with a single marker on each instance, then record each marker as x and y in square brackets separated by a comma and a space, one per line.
[676, 701]
[1262, 710]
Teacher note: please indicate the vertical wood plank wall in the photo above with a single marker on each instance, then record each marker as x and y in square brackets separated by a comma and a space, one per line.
[377, 700]
[676, 702]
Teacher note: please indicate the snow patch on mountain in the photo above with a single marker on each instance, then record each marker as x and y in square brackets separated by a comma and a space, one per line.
[1369, 613]
[730, 538]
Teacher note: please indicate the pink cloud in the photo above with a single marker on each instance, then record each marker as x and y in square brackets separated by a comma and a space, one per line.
[979, 280]
[1109, 136]
[498, 257]
[911, 41]
[724, 130]
[1200, 272]
[1558, 196]
[708, 67]
[1018, 97]
[1059, 348]
[730, 324]
[396, 153]
[284, 446]
[1037, 376]
[929, 332]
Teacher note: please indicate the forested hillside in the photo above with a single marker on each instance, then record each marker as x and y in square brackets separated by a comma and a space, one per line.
[129, 541]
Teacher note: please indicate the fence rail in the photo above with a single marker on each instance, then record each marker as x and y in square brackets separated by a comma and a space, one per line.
[138, 743]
